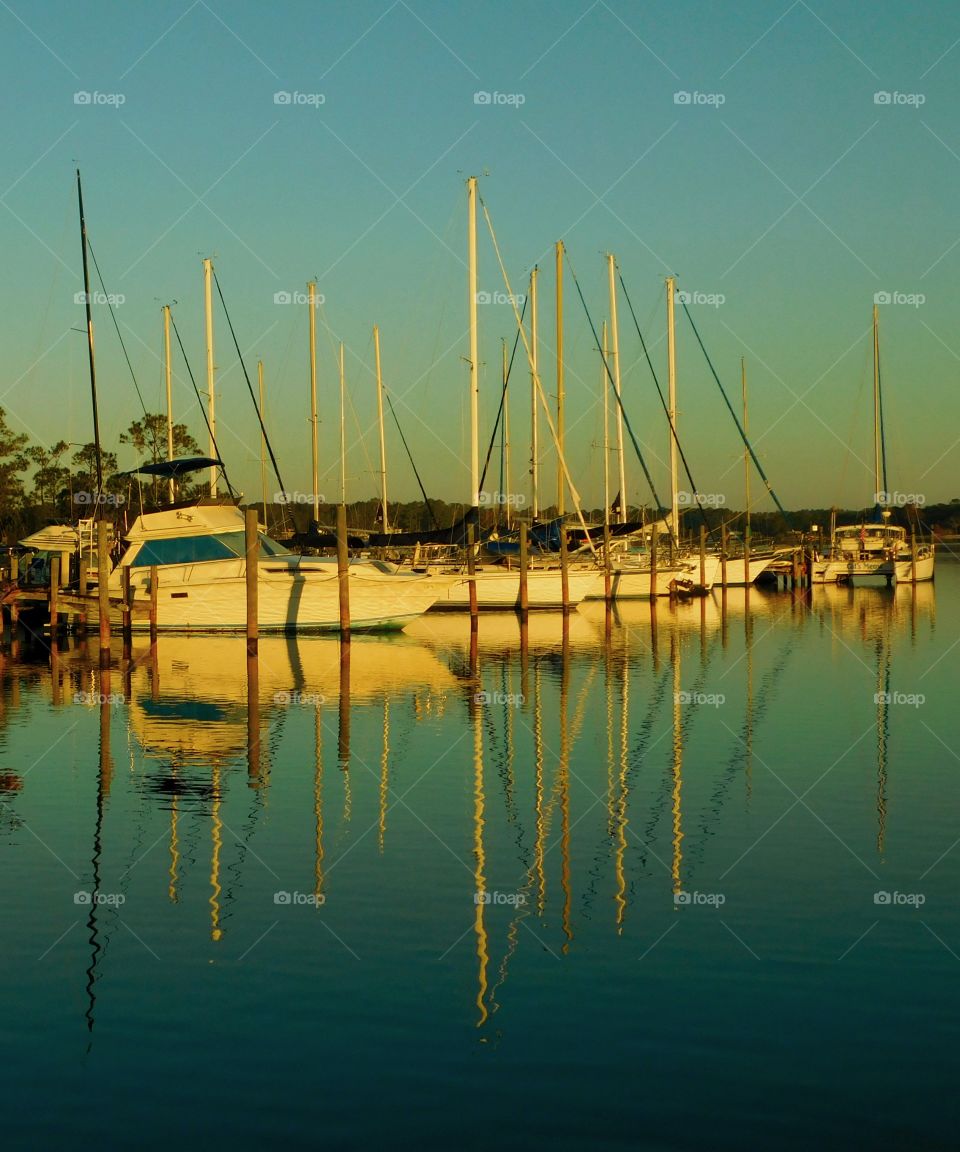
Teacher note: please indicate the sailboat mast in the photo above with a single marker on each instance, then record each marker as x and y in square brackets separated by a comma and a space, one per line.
[93, 369]
[312, 302]
[263, 442]
[606, 427]
[505, 487]
[383, 448]
[615, 353]
[672, 414]
[878, 484]
[560, 396]
[168, 372]
[211, 395]
[534, 417]
[474, 353]
[746, 454]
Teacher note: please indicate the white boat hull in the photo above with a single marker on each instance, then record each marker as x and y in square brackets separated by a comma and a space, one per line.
[499, 588]
[848, 571]
[740, 574]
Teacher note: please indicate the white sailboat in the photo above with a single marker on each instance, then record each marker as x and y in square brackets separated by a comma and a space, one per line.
[878, 549]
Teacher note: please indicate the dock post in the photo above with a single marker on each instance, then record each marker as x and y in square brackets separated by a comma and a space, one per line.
[564, 570]
[154, 577]
[524, 563]
[607, 580]
[795, 569]
[14, 567]
[53, 593]
[343, 571]
[746, 557]
[84, 590]
[103, 591]
[251, 537]
[654, 539]
[703, 557]
[125, 625]
[471, 571]
[723, 555]
[913, 556]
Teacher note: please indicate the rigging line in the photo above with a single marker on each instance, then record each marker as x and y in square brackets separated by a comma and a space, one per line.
[113, 317]
[503, 394]
[203, 411]
[623, 411]
[256, 406]
[666, 410]
[423, 491]
[743, 435]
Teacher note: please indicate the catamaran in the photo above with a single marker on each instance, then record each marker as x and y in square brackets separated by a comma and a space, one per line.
[875, 549]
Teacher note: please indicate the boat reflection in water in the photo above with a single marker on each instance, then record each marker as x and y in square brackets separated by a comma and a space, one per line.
[584, 767]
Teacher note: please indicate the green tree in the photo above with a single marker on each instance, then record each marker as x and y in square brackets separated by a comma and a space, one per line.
[13, 461]
[51, 479]
[148, 437]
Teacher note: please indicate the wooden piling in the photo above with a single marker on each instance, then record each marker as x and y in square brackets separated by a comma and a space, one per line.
[343, 571]
[126, 629]
[14, 567]
[746, 556]
[653, 563]
[471, 573]
[53, 594]
[607, 577]
[913, 556]
[524, 565]
[83, 588]
[103, 591]
[564, 570]
[252, 568]
[154, 589]
[723, 555]
[703, 556]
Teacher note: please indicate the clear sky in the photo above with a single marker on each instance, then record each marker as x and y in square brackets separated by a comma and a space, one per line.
[781, 193]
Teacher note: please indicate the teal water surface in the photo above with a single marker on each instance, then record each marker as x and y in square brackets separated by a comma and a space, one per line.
[682, 879]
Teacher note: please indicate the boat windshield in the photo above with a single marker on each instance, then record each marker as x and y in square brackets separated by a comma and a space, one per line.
[197, 549]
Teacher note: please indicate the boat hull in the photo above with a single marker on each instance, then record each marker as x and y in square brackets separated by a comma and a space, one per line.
[499, 589]
[851, 571]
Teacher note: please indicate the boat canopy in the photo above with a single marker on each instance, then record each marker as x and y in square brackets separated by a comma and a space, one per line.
[174, 469]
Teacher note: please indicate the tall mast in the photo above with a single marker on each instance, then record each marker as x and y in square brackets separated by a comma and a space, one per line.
[343, 435]
[383, 447]
[746, 454]
[311, 301]
[878, 485]
[606, 427]
[560, 397]
[93, 369]
[211, 395]
[263, 442]
[506, 433]
[169, 381]
[474, 354]
[615, 352]
[534, 417]
[672, 414]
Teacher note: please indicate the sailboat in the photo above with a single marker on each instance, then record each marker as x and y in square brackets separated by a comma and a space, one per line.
[878, 548]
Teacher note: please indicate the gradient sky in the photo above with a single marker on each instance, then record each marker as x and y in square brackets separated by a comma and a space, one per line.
[795, 199]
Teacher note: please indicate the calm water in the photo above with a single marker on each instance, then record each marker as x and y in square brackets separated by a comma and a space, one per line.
[688, 886]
